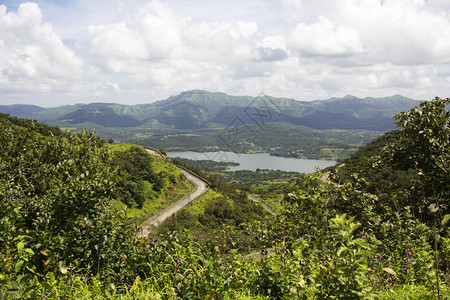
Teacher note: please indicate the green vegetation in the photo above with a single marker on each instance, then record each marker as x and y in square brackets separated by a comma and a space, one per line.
[243, 178]
[149, 184]
[62, 238]
[270, 184]
[202, 111]
[205, 121]
[223, 206]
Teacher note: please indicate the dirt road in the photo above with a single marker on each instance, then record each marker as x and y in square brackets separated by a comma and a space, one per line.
[154, 152]
[252, 197]
[200, 187]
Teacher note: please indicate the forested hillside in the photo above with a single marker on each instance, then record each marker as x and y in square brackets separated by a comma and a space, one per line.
[336, 234]
[206, 121]
[199, 110]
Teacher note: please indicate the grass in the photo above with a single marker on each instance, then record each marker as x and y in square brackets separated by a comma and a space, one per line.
[140, 289]
[146, 289]
[270, 194]
[410, 292]
[152, 206]
[199, 206]
[118, 147]
[273, 202]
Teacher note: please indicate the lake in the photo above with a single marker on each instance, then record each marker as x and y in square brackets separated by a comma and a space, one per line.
[257, 161]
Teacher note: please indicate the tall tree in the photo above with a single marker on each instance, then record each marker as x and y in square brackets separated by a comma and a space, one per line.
[424, 145]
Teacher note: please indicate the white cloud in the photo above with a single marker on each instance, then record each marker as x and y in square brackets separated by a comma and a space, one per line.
[143, 50]
[152, 34]
[285, 4]
[404, 32]
[116, 42]
[158, 49]
[218, 42]
[32, 56]
[410, 34]
[323, 38]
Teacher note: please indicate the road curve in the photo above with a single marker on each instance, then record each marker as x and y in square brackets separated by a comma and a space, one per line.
[154, 152]
[200, 187]
[266, 208]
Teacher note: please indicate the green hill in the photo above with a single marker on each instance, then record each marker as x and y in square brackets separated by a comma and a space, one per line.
[203, 121]
[105, 116]
[19, 110]
[197, 109]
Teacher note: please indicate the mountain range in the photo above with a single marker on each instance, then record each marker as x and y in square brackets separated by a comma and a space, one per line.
[199, 110]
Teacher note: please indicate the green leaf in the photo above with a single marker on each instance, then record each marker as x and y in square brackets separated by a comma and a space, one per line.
[446, 219]
[390, 271]
[18, 266]
[342, 249]
[20, 246]
[137, 280]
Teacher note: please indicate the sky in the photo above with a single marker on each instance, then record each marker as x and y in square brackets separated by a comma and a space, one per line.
[58, 52]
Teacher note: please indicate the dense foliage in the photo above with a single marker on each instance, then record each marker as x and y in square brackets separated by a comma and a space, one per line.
[54, 210]
[424, 146]
[147, 183]
[412, 164]
[60, 237]
[227, 208]
[135, 164]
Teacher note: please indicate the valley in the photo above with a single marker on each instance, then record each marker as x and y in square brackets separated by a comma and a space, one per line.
[72, 203]
[204, 121]
[232, 150]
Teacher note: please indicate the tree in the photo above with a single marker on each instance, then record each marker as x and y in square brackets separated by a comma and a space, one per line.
[424, 145]
[54, 192]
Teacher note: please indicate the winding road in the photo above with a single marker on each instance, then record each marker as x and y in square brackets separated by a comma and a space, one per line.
[200, 187]
[266, 208]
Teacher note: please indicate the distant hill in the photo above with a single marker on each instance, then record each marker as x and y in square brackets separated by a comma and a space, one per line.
[196, 110]
[104, 115]
[20, 110]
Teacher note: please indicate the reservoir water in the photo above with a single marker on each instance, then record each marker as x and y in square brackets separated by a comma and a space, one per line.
[257, 161]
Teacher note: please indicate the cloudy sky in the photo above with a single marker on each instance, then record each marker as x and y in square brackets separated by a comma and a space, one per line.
[56, 52]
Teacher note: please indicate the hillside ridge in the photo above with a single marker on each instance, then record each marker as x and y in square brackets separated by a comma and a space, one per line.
[198, 109]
